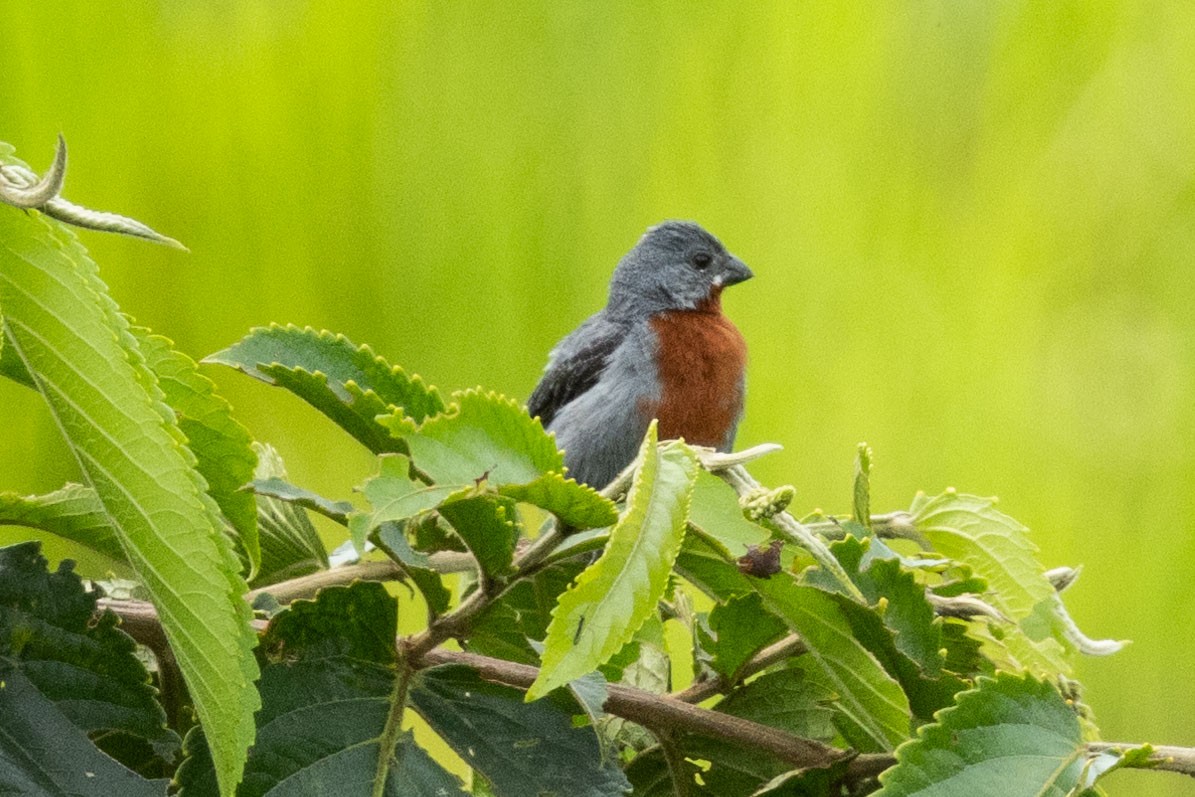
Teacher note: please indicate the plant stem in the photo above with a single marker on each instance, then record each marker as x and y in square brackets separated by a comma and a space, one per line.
[791, 645]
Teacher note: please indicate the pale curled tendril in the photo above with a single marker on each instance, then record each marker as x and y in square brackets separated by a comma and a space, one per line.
[22, 188]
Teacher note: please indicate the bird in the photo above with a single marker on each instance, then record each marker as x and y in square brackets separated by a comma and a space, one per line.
[660, 348]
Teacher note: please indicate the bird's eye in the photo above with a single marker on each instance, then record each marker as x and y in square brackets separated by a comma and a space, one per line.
[702, 260]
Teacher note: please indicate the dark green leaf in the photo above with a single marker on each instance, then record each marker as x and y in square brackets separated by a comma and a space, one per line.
[391, 538]
[43, 752]
[874, 713]
[349, 384]
[488, 527]
[740, 627]
[283, 490]
[523, 749]
[330, 717]
[614, 596]
[84, 666]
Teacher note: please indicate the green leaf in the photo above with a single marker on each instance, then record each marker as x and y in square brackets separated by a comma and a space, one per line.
[488, 525]
[861, 513]
[521, 613]
[391, 538]
[221, 445]
[83, 666]
[395, 496]
[523, 749]
[349, 384]
[708, 565]
[577, 505]
[1012, 730]
[282, 490]
[874, 713]
[332, 706]
[73, 513]
[970, 530]
[717, 512]
[11, 364]
[43, 752]
[740, 626]
[613, 597]
[70, 335]
[290, 545]
[484, 436]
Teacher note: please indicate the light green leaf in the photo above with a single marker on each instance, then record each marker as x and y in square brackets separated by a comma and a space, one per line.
[717, 512]
[861, 513]
[1014, 730]
[485, 436]
[290, 545]
[970, 530]
[73, 513]
[221, 445]
[613, 597]
[349, 384]
[577, 505]
[11, 364]
[395, 496]
[874, 713]
[70, 335]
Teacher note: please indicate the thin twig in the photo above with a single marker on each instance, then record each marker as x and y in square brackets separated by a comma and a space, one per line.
[789, 646]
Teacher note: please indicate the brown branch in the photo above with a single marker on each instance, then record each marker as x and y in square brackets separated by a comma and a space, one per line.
[659, 711]
[791, 645]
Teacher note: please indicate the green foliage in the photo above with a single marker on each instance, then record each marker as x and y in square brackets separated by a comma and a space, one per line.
[831, 639]
[91, 372]
[349, 384]
[611, 599]
[1014, 728]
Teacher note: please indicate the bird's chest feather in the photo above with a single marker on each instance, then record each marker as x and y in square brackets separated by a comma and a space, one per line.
[700, 358]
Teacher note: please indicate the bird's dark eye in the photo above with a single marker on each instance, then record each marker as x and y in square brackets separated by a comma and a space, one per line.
[702, 260]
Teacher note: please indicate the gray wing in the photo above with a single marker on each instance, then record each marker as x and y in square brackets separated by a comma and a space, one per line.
[575, 366]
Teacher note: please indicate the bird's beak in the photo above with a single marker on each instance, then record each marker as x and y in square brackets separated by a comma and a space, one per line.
[736, 271]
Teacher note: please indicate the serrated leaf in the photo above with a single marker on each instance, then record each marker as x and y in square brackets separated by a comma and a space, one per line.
[1015, 731]
[331, 707]
[395, 496]
[68, 332]
[521, 613]
[577, 505]
[73, 513]
[970, 530]
[874, 711]
[614, 596]
[349, 384]
[740, 627]
[83, 666]
[290, 545]
[523, 749]
[488, 526]
[43, 752]
[484, 436]
[221, 445]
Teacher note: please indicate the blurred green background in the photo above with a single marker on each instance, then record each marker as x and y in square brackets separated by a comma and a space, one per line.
[972, 224]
